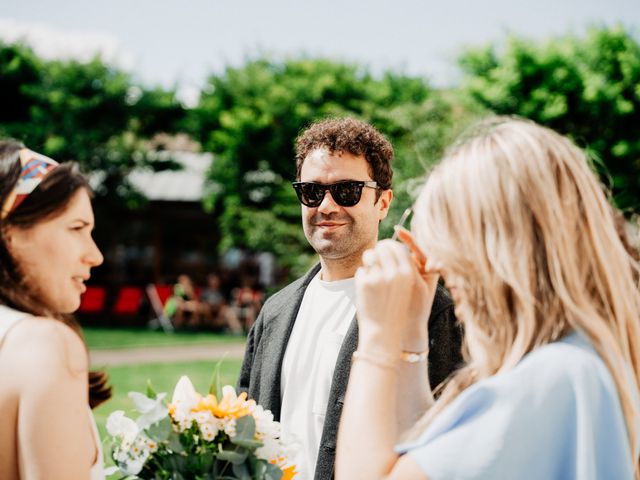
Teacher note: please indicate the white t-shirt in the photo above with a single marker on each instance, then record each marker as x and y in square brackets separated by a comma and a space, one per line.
[324, 317]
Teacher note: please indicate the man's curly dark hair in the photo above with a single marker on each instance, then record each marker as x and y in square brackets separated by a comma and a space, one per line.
[352, 136]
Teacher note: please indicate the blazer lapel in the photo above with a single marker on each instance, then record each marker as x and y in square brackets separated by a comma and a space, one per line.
[277, 333]
[327, 452]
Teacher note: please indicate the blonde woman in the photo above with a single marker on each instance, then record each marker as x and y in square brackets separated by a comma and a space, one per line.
[522, 233]
[46, 255]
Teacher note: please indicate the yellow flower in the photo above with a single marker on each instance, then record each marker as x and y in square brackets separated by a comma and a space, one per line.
[231, 405]
[287, 472]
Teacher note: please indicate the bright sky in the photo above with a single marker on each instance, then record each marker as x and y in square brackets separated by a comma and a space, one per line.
[179, 42]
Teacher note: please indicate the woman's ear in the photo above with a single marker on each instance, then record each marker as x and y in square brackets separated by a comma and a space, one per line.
[7, 235]
[13, 237]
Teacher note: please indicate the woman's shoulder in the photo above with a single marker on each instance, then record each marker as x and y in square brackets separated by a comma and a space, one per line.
[559, 404]
[571, 358]
[551, 376]
[42, 344]
[555, 377]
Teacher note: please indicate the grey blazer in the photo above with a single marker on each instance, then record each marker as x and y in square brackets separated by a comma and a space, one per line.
[267, 341]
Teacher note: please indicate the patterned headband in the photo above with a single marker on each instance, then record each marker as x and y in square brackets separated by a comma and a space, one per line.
[34, 168]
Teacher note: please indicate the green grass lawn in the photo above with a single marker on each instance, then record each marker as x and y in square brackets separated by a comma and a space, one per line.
[163, 377]
[110, 338]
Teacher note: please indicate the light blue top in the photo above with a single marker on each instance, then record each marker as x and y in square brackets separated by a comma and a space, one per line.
[556, 415]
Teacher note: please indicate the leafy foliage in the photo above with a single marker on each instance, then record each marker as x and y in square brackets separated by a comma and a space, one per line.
[88, 112]
[250, 116]
[587, 87]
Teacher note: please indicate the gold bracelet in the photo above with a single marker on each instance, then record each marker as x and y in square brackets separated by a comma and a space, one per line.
[384, 361]
[414, 357]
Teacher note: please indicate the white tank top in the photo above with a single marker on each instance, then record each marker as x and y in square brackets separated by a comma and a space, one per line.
[8, 318]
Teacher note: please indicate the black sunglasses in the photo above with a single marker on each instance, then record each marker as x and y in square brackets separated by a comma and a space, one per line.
[346, 193]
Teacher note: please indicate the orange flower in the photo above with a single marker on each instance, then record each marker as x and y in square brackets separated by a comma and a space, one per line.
[287, 472]
[230, 406]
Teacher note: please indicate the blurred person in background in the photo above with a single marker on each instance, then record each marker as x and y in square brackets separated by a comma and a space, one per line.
[183, 307]
[46, 255]
[247, 300]
[215, 309]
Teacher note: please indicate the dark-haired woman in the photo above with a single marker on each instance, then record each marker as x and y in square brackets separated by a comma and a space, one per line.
[46, 255]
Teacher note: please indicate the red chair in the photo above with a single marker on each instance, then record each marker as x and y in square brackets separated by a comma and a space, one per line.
[93, 300]
[128, 301]
[164, 292]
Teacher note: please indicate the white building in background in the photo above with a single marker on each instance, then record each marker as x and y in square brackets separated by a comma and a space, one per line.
[185, 185]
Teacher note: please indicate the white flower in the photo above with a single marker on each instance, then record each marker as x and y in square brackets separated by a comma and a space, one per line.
[229, 392]
[182, 422]
[271, 450]
[152, 410]
[185, 398]
[123, 427]
[133, 466]
[229, 426]
[121, 455]
[266, 427]
[152, 446]
[110, 471]
[210, 430]
[203, 417]
[131, 460]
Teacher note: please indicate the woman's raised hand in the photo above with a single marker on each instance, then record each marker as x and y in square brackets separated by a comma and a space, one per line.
[394, 295]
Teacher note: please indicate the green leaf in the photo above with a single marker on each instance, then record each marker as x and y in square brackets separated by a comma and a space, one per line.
[215, 386]
[250, 444]
[173, 442]
[160, 431]
[151, 393]
[259, 468]
[245, 429]
[241, 471]
[235, 457]
[273, 472]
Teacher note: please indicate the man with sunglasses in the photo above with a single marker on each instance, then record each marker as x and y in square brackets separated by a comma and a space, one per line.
[299, 351]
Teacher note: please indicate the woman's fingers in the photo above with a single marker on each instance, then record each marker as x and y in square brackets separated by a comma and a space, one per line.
[388, 260]
[418, 255]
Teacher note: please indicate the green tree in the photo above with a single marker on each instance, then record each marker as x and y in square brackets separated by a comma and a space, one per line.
[88, 112]
[420, 133]
[587, 87]
[250, 116]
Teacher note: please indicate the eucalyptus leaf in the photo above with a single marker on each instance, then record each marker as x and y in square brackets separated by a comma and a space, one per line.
[200, 463]
[250, 444]
[273, 472]
[260, 469]
[160, 431]
[241, 471]
[245, 429]
[176, 463]
[173, 442]
[233, 456]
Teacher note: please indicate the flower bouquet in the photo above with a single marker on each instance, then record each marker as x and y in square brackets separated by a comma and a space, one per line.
[212, 437]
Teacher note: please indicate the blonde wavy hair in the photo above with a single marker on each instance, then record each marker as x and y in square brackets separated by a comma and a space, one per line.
[529, 242]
